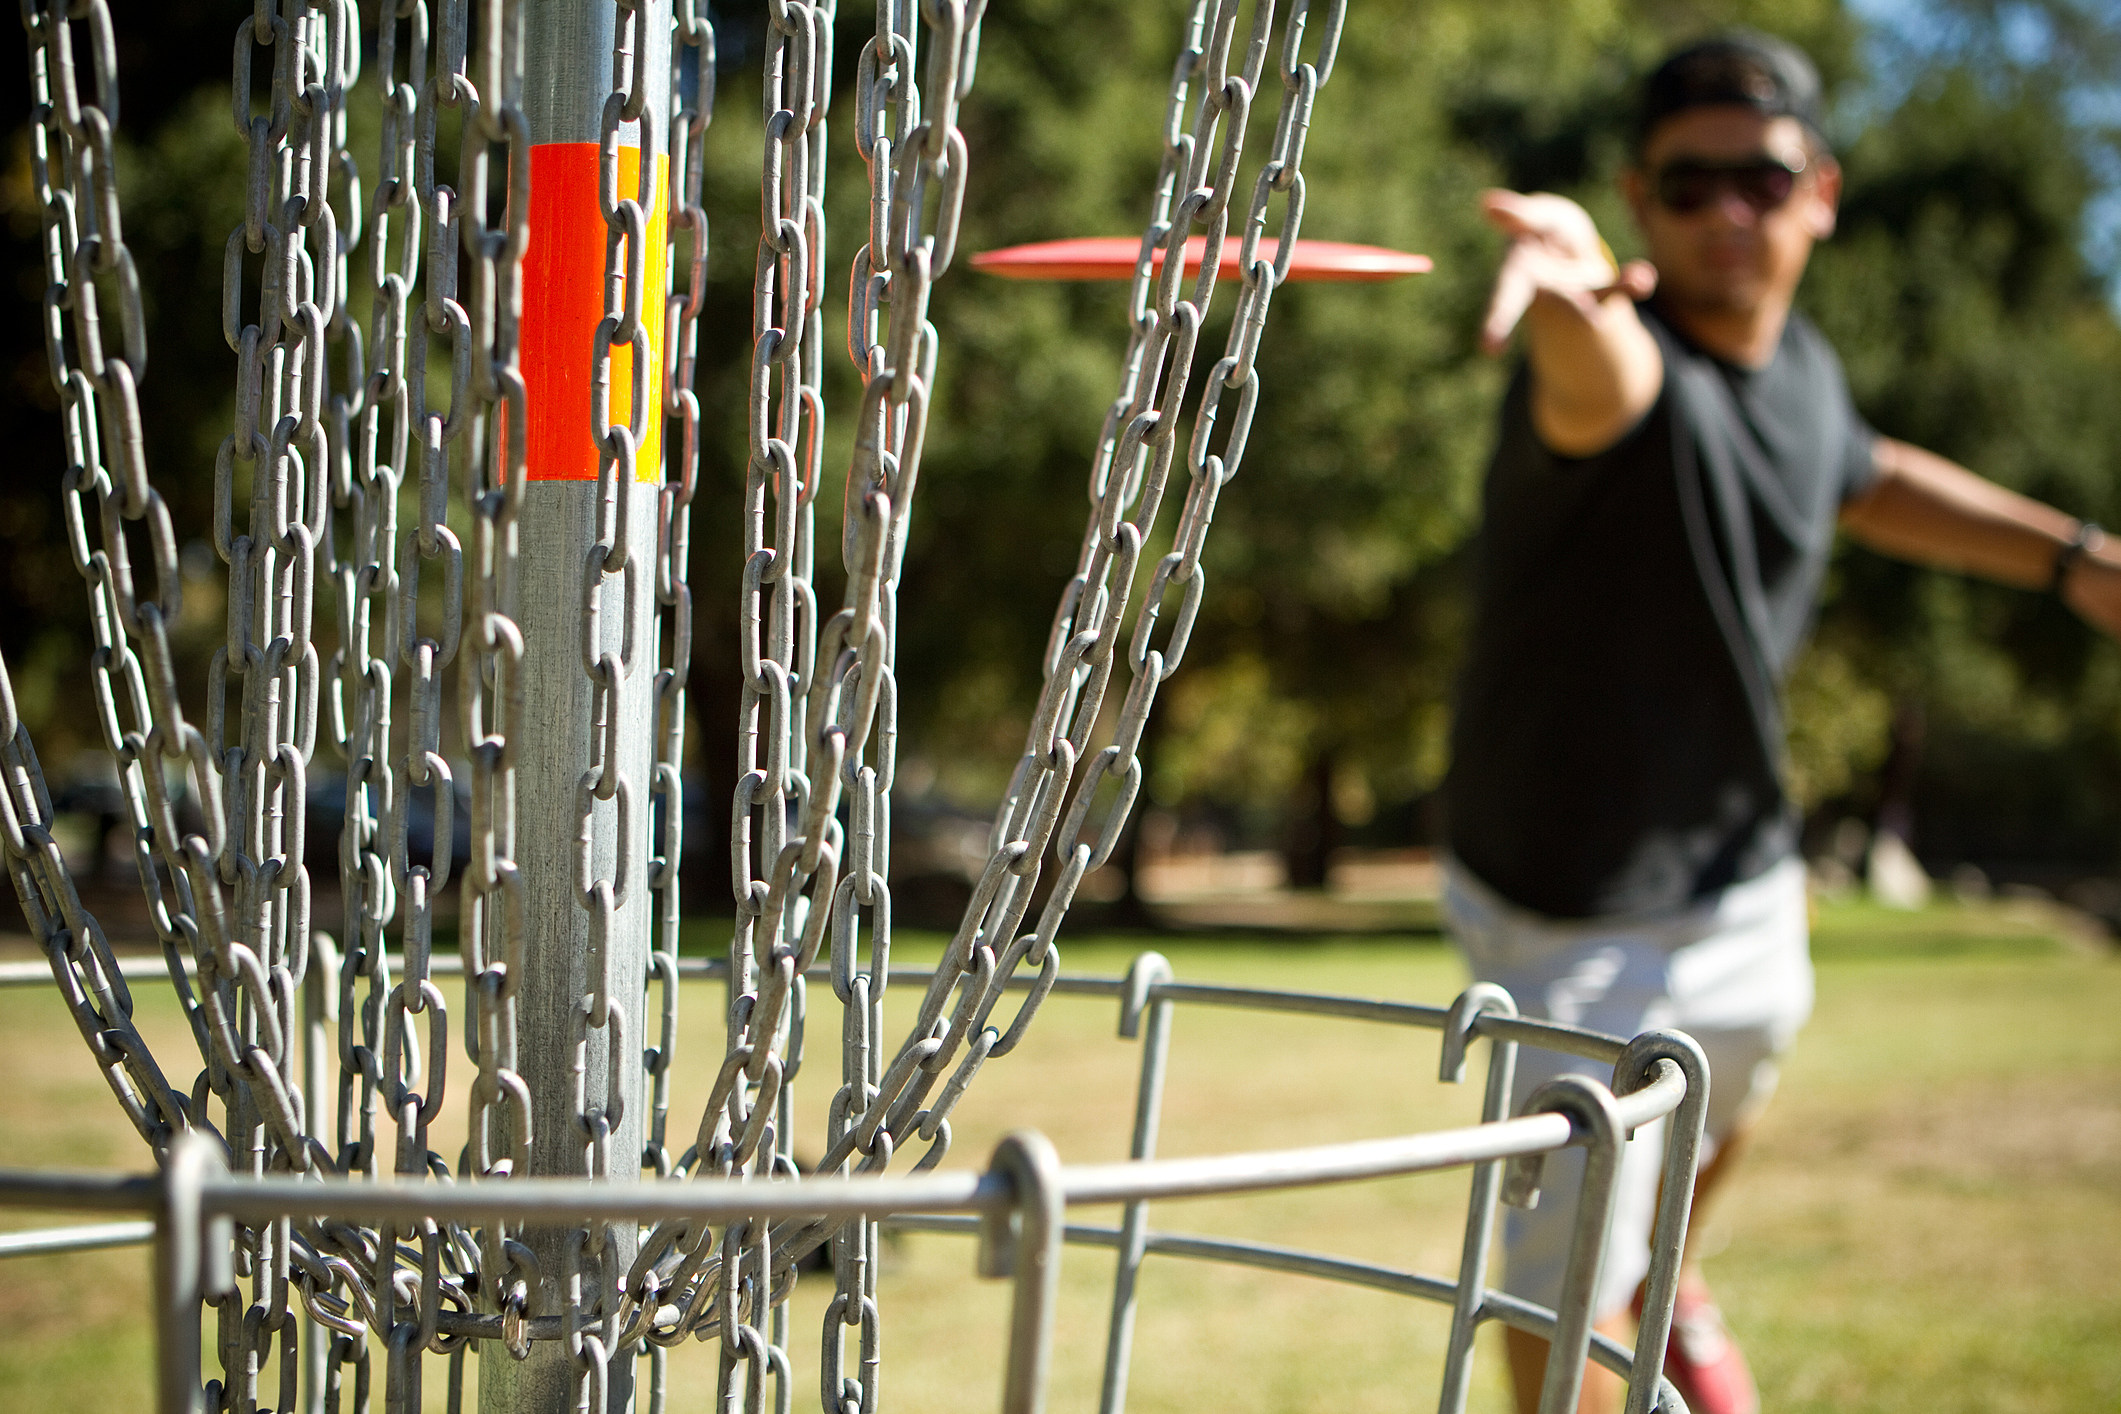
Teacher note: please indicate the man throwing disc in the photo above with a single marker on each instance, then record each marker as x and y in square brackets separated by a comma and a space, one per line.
[1673, 461]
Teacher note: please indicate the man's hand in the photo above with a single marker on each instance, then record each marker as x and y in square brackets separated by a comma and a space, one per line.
[1554, 251]
[1595, 368]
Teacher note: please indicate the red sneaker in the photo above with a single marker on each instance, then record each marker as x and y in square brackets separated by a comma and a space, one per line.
[1701, 1360]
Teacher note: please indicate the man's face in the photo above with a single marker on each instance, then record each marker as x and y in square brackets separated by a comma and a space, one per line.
[1736, 249]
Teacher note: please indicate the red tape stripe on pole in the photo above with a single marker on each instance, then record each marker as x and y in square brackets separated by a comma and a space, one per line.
[563, 301]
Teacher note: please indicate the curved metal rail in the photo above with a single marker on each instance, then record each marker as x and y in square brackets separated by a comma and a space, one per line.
[1015, 1206]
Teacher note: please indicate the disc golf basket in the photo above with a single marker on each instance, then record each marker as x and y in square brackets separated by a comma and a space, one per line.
[516, 529]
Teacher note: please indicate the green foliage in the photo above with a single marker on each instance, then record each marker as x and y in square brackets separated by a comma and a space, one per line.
[1970, 323]
[1837, 725]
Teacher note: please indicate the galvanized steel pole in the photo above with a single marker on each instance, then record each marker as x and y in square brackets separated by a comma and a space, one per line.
[576, 52]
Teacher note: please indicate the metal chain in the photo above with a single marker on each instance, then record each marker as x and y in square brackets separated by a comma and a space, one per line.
[234, 900]
[394, 1035]
[412, 1010]
[1129, 478]
[490, 686]
[692, 92]
[280, 443]
[1047, 804]
[250, 960]
[131, 669]
[692, 101]
[326, 467]
[917, 160]
[787, 836]
[746, 1126]
[375, 422]
[612, 584]
[95, 993]
[786, 898]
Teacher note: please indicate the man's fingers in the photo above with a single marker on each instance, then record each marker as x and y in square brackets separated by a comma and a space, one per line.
[1508, 211]
[1554, 250]
[1637, 280]
[1514, 290]
[1527, 274]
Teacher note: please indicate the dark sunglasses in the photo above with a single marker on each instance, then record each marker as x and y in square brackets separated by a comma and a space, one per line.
[1763, 183]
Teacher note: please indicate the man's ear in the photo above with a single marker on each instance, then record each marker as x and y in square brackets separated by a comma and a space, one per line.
[1823, 209]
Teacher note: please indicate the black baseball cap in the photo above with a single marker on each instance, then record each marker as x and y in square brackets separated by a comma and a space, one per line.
[1769, 75]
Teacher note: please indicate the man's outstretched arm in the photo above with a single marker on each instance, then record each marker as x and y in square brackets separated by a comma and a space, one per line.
[1936, 512]
[1595, 368]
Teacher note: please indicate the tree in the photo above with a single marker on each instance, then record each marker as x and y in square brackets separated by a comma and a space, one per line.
[1971, 320]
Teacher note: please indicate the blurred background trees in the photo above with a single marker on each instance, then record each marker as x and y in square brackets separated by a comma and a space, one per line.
[1970, 291]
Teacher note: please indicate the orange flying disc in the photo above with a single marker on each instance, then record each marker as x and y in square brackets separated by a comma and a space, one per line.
[1113, 258]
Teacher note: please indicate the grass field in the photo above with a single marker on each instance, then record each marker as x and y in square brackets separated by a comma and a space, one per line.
[1932, 1221]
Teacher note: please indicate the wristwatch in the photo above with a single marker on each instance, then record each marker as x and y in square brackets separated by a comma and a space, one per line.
[2089, 537]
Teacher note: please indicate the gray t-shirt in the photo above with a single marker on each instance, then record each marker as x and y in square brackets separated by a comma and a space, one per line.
[1617, 742]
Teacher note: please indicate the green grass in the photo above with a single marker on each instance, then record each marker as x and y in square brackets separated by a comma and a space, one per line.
[1931, 1221]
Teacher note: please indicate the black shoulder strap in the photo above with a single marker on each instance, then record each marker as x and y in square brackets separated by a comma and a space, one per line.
[1709, 484]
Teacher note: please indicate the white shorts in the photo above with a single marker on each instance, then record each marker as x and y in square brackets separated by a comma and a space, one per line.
[1734, 973]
